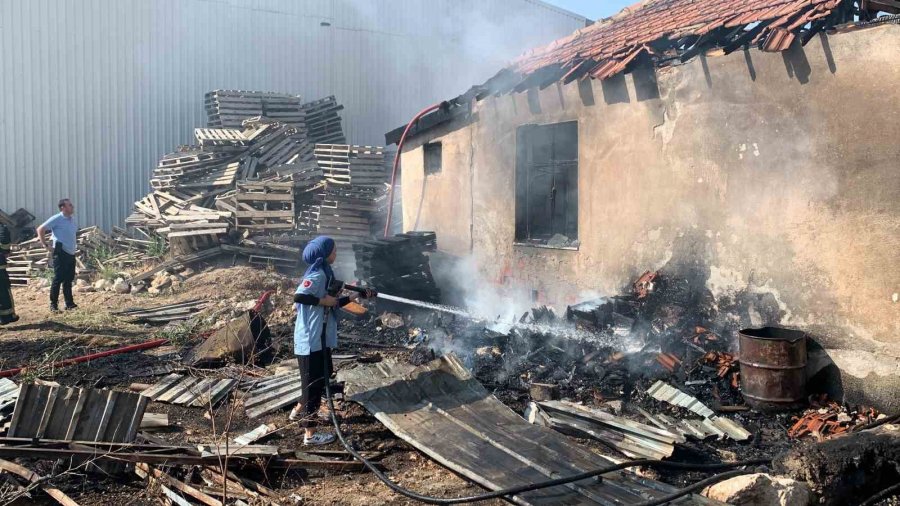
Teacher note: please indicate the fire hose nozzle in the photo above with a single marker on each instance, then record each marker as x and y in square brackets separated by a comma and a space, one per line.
[334, 289]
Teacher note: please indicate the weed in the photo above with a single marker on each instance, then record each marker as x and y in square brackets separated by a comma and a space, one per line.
[43, 368]
[108, 273]
[99, 255]
[157, 247]
[180, 333]
[45, 274]
[89, 320]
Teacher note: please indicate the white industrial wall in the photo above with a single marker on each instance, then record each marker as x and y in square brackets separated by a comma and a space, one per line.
[93, 92]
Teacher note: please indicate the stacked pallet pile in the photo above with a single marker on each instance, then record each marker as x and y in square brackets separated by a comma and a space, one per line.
[193, 186]
[253, 178]
[398, 265]
[229, 108]
[355, 189]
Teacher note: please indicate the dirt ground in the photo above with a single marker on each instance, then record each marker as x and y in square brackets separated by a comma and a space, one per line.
[40, 337]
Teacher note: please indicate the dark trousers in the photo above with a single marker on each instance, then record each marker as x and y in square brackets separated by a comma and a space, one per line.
[315, 371]
[7, 306]
[63, 275]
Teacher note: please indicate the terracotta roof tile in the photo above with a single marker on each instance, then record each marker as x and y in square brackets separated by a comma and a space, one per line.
[612, 41]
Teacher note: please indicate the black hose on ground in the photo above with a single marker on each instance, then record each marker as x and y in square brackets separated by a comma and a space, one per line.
[884, 494]
[549, 483]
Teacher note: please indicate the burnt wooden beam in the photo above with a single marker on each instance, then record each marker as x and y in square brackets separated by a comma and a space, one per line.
[744, 39]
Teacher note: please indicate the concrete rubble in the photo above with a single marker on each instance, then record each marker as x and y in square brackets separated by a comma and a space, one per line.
[760, 488]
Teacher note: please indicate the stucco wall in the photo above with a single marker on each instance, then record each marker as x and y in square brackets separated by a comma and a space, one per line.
[773, 173]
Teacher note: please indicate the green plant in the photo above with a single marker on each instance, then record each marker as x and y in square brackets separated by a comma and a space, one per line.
[42, 368]
[157, 247]
[97, 256]
[45, 274]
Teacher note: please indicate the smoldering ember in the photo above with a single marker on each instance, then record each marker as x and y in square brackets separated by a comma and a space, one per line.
[650, 259]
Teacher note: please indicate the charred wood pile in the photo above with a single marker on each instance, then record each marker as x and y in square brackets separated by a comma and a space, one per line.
[399, 265]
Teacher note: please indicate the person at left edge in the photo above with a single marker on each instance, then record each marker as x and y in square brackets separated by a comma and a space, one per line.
[7, 306]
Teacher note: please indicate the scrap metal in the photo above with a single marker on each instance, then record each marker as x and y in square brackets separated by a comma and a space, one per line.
[190, 390]
[633, 439]
[164, 314]
[711, 425]
[46, 412]
[661, 391]
[442, 410]
[273, 393]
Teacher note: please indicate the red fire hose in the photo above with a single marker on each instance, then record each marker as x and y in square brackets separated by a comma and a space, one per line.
[93, 356]
[262, 300]
[423, 112]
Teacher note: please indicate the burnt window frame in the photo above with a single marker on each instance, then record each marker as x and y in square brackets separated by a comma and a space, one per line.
[431, 147]
[561, 165]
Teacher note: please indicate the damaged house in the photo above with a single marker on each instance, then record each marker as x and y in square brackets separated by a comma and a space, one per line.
[750, 145]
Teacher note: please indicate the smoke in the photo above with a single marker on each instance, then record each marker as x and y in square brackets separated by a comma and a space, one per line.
[433, 51]
[507, 330]
[467, 286]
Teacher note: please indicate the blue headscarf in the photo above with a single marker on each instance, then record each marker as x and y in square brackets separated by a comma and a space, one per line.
[316, 253]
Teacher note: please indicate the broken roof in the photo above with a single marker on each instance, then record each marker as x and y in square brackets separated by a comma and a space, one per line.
[660, 31]
[655, 26]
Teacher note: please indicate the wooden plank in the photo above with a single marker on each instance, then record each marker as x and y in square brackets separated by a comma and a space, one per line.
[222, 450]
[33, 477]
[218, 391]
[145, 471]
[152, 421]
[188, 233]
[256, 434]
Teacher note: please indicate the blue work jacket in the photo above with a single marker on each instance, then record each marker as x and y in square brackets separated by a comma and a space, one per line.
[308, 328]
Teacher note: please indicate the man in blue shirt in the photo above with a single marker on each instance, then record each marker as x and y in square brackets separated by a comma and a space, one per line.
[63, 230]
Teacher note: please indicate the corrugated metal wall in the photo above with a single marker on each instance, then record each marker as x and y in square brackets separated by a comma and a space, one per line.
[93, 92]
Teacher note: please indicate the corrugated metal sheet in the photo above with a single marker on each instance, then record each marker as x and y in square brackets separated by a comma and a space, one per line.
[93, 92]
[77, 414]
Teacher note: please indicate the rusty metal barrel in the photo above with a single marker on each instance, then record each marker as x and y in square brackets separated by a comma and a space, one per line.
[773, 368]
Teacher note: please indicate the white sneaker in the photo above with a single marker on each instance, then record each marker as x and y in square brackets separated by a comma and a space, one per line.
[296, 414]
[318, 439]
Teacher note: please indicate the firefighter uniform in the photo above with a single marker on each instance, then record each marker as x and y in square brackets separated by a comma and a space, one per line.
[7, 307]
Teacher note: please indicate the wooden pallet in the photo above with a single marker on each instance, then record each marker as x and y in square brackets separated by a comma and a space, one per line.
[221, 139]
[264, 206]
